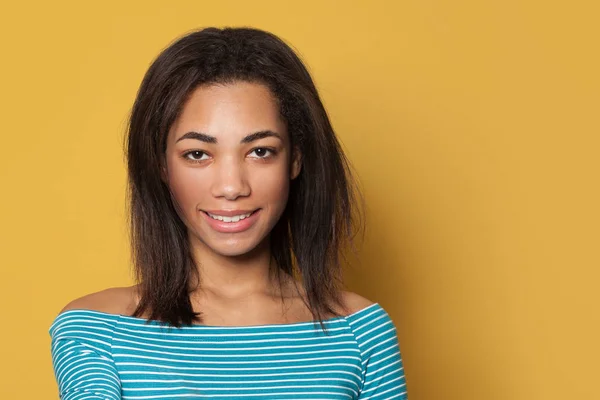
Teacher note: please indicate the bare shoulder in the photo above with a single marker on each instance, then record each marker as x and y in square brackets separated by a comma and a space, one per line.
[115, 300]
[354, 302]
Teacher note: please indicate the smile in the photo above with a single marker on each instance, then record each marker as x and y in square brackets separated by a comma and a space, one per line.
[235, 221]
[234, 218]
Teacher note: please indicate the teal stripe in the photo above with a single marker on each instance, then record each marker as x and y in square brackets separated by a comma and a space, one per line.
[97, 355]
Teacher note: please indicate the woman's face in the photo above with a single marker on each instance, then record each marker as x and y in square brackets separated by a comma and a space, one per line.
[228, 166]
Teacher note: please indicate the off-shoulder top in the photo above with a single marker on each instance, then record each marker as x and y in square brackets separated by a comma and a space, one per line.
[97, 355]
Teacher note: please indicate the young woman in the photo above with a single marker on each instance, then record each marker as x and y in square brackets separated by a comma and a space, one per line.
[241, 202]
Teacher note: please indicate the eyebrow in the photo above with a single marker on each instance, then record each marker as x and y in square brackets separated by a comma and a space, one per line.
[203, 137]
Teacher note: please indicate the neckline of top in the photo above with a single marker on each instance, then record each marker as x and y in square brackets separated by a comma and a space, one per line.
[225, 327]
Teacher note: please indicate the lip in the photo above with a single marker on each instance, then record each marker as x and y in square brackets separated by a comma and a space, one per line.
[231, 227]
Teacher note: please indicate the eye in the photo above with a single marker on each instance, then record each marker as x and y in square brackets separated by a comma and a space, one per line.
[263, 152]
[195, 155]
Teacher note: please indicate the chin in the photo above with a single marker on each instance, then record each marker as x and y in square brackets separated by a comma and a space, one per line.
[232, 250]
[232, 247]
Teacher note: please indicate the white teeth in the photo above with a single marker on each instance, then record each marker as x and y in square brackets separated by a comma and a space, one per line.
[235, 218]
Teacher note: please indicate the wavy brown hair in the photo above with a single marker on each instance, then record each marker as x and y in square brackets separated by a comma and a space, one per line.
[309, 239]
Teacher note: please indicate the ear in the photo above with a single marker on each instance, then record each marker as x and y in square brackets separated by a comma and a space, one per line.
[296, 166]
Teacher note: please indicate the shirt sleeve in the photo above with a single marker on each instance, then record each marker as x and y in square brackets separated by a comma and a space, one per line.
[383, 370]
[82, 359]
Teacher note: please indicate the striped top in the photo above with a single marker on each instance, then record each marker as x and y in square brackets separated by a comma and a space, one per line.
[97, 355]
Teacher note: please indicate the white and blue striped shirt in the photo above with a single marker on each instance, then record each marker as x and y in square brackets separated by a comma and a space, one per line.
[97, 355]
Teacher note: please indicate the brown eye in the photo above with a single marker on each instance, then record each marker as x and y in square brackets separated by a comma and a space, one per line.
[263, 152]
[194, 155]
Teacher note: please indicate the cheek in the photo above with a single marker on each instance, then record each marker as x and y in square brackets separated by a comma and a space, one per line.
[272, 185]
[186, 187]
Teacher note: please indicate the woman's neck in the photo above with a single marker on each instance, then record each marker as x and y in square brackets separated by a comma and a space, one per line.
[240, 276]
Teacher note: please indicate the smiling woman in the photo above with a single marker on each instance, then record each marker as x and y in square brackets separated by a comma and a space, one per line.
[241, 201]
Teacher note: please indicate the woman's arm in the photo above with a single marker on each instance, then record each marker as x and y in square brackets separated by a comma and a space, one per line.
[81, 341]
[383, 370]
[82, 372]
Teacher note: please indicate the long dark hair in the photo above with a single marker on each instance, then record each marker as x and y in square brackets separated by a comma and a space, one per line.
[321, 213]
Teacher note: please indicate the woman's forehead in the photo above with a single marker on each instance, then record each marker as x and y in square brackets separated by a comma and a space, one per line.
[230, 110]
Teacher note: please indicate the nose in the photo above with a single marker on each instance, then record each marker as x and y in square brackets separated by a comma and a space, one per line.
[230, 180]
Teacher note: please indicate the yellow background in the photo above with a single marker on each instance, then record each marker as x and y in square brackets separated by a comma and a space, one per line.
[473, 126]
